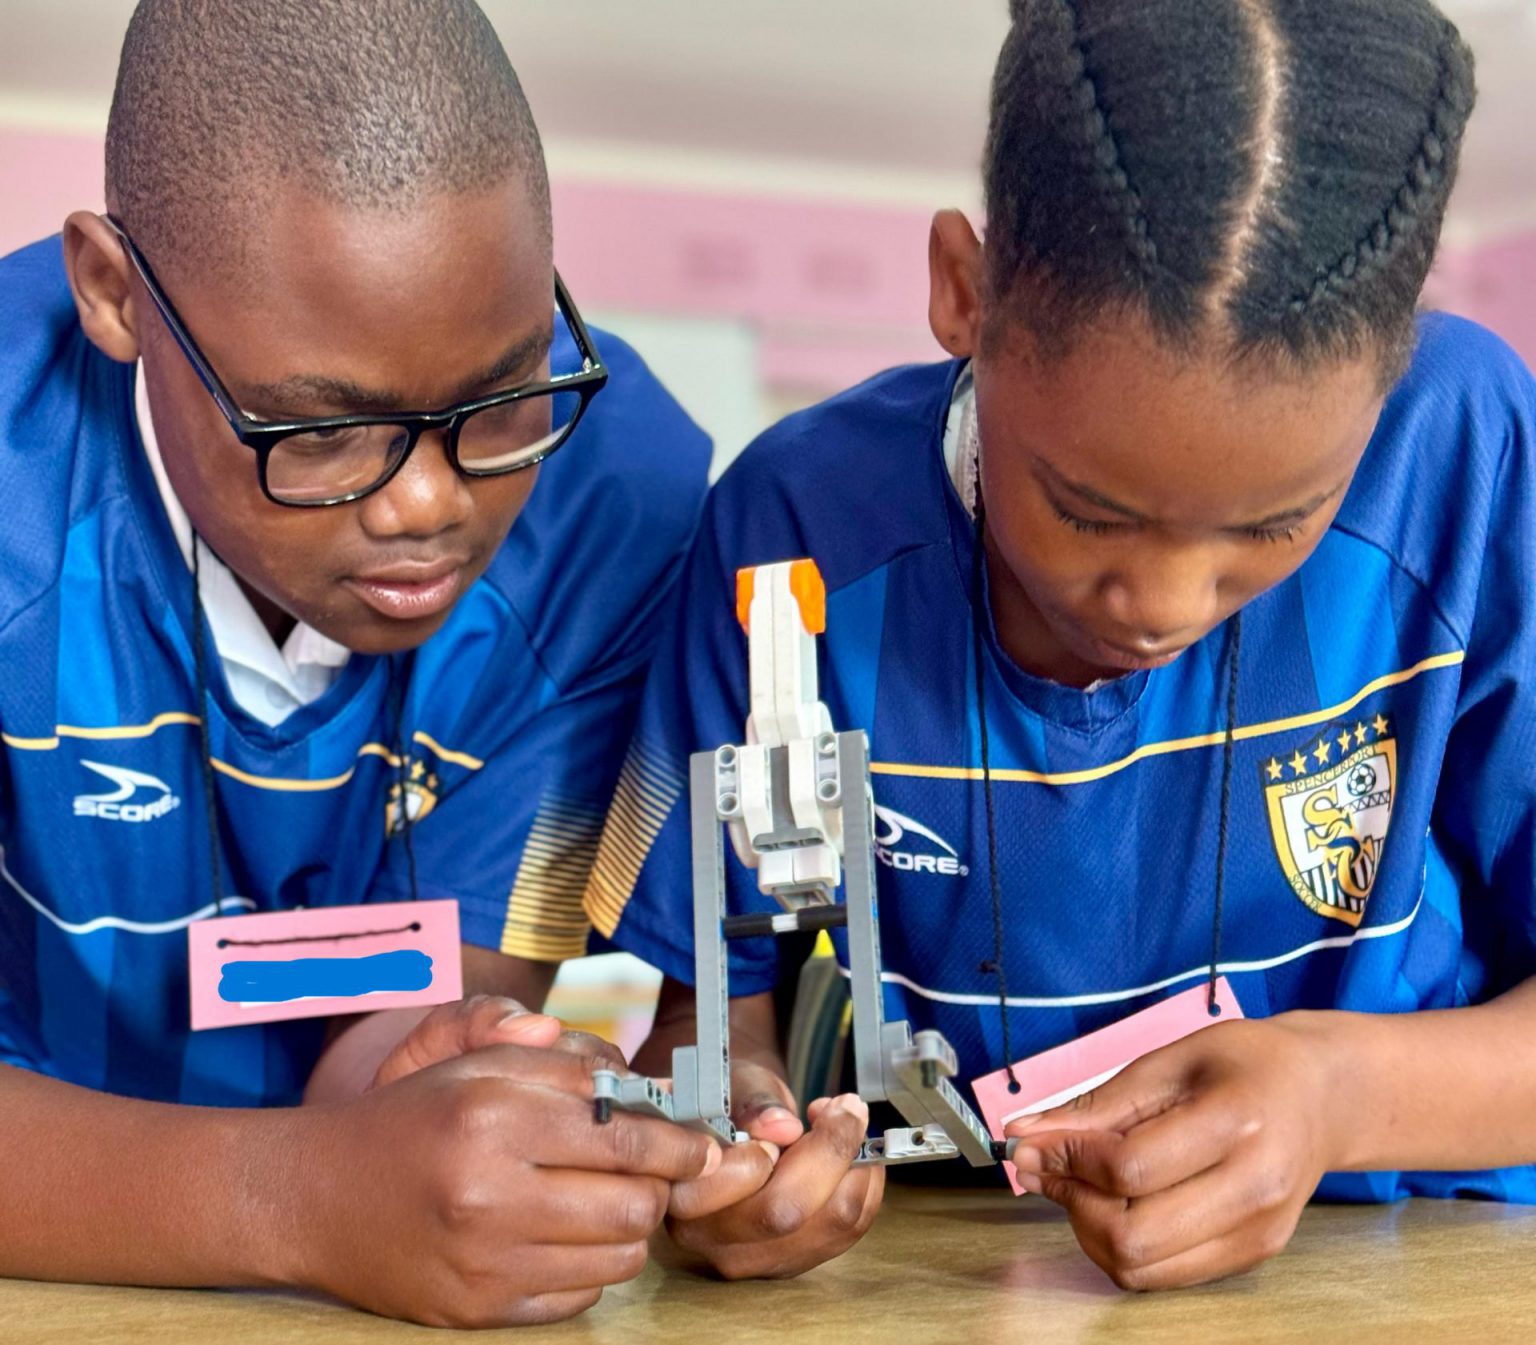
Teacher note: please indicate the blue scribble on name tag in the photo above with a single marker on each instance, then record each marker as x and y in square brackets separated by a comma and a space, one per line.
[405, 969]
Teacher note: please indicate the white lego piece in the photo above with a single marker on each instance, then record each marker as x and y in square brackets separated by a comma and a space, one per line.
[756, 793]
[796, 851]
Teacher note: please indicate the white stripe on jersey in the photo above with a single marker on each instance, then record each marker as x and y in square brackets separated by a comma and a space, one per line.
[1136, 992]
[117, 922]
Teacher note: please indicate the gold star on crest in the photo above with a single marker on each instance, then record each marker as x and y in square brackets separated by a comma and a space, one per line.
[1360, 732]
[1298, 763]
[1343, 742]
[1381, 726]
[1323, 752]
[418, 770]
[1276, 770]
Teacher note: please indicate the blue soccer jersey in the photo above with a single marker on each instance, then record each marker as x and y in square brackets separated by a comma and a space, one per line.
[515, 718]
[1383, 807]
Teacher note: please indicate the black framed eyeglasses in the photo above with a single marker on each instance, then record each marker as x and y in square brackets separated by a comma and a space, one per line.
[317, 461]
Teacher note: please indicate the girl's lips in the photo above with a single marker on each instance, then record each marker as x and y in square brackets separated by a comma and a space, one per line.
[1130, 660]
[410, 600]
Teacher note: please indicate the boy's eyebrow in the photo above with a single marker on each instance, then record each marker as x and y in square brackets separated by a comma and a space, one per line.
[1089, 495]
[309, 389]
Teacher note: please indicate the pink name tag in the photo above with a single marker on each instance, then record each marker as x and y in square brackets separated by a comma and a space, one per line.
[1055, 1077]
[314, 963]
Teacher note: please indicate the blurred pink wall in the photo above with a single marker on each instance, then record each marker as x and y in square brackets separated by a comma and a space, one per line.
[835, 292]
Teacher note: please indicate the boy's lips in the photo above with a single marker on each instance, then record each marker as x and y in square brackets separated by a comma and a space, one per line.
[411, 592]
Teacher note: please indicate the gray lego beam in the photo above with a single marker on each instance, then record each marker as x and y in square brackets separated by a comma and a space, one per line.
[711, 1060]
[863, 917]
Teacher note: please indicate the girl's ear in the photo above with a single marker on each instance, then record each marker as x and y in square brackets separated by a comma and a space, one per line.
[97, 266]
[954, 283]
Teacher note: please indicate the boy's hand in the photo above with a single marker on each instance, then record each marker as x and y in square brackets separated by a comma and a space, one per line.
[1196, 1161]
[452, 1030]
[481, 1192]
[788, 1201]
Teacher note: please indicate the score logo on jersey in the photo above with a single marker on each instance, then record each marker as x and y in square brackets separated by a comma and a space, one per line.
[1330, 804]
[137, 798]
[923, 850]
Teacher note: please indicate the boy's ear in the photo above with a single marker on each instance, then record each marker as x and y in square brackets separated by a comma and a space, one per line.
[954, 283]
[98, 269]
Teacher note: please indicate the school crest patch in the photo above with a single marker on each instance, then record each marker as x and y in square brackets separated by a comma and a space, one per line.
[420, 796]
[1330, 804]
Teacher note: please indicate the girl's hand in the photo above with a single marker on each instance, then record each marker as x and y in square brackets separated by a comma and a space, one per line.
[1196, 1161]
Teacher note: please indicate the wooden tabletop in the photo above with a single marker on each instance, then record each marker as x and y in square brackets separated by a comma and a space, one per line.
[940, 1266]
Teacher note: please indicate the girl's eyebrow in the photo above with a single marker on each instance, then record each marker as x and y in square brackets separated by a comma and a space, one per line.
[1298, 515]
[1087, 494]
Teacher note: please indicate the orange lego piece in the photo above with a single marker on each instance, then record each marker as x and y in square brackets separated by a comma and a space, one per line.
[805, 583]
[810, 592]
[744, 598]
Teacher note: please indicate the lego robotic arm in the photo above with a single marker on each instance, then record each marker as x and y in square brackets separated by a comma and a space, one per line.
[795, 798]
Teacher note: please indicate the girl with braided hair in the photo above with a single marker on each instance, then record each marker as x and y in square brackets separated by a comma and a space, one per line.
[1186, 608]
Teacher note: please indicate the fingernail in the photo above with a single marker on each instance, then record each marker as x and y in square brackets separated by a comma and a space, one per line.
[1021, 1123]
[523, 1018]
[528, 1026]
[712, 1160]
[769, 1148]
[1030, 1183]
[1026, 1159]
[851, 1104]
[775, 1114]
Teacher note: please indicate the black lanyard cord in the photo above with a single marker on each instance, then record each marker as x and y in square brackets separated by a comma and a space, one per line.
[994, 966]
[1234, 656]
[397, 687]
[210, 796]
[994, 878]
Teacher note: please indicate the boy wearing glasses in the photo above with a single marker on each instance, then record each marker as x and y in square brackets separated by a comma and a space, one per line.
[285, 624]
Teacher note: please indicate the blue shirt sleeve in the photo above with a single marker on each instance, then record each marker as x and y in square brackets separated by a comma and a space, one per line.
[1485, 809]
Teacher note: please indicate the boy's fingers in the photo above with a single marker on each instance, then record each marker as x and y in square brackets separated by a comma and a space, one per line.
[643, 1146]
[588, 1208]
[601, 1054]
[452, 1030]
[744, 1170]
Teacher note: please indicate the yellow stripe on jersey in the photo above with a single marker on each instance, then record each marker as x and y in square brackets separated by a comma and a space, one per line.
[276, 783]
[545, 919]
[646, 793]
[119, 731]
[443, 754]
[1242, 734]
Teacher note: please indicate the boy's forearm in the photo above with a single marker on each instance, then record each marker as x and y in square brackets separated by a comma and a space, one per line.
[1445, 1090]
[112, 1190]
